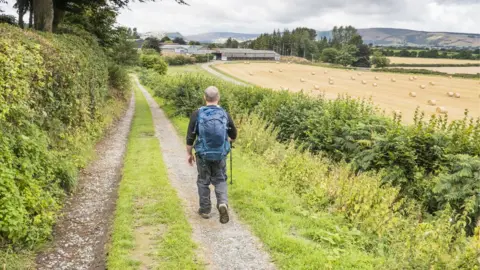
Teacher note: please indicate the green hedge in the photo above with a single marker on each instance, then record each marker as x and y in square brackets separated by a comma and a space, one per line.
[434, 65]
[427, 71]
[431, 161]
[53, 95]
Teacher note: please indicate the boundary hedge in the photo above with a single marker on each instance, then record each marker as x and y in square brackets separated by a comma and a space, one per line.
[55, 101]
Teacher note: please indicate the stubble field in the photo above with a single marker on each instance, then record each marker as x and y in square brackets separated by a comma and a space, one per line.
[388, 90]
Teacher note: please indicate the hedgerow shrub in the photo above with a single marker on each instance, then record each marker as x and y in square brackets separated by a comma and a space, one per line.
[179, 60]
[154, 62]
[427, 71]
[203, 58]
[352, 131]
[53, 95]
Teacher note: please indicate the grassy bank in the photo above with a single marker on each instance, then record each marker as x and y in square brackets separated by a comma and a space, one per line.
[150, 228]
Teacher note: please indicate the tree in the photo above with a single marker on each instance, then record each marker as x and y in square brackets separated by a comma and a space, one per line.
[4, 18]
[191, 42]
[362, 56]
[135, 33]
[165, 39]
[329, 55]
[179, 40]
[379, 60]
[345, 56]
[123, 51]
[212, 46]
[49, 14]
[151, 43]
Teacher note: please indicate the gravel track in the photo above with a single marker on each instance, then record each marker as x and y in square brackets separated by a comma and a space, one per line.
[82, 232]
[229, 246]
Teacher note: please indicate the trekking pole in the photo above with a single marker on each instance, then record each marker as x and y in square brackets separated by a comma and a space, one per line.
[231, 164]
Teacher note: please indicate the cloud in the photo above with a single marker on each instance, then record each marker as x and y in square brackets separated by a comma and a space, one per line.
[259, 16]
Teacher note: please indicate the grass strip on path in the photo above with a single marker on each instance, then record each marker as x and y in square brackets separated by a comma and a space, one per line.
[150, 228]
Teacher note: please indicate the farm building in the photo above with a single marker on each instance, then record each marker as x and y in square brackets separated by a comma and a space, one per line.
[245, 54]
[184, 49]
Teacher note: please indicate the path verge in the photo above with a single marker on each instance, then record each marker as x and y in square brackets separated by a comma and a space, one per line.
[82, 232]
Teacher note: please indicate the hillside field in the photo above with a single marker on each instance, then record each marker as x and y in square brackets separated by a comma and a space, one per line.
[413, 60]
[387, 95]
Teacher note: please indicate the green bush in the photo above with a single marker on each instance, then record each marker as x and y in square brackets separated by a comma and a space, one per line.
[155, 62]
[53, 94]
[379, 60]
[344, 129]
[179, 60]
[203, 58]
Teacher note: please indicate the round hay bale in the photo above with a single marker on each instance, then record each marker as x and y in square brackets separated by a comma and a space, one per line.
[280, 70]
[376, 78]
[284, 88]
[374, 84]
[302, 79]
[244, 62]
[313, 73]
[393, 79]
[397, 112]
[432, 102]
[432, 83]
[271, 71]
[412, 94]
[359, 73]
[250, 73]
[317, 87]
[450, 77]
[410, 78]
[422, 86]
[364, 82]
[415, 77]
[441, 110]
[330, 78]
[289, 62]
[450, 94]
[457, 95]
[248, 62]
[278, 62]
[325, 72]
[331, 82]
[352, 78]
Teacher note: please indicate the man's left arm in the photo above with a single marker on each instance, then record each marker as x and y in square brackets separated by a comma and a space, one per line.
[232, 130]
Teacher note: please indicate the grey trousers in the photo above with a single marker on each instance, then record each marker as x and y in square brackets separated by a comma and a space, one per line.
[215, 173]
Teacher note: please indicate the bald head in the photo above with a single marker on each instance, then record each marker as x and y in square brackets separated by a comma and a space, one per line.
[212, 95]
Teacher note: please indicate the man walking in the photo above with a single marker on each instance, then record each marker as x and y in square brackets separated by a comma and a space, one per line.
[210, 131]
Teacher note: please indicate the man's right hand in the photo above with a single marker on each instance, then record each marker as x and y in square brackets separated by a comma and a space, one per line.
[191, 159]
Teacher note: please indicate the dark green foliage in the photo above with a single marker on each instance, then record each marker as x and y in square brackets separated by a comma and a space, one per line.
[379, 60]
[203, 58]
[155, 62]
[52, 92]
[435, 65]
[179, 60]
[346, 129]
[151, 43]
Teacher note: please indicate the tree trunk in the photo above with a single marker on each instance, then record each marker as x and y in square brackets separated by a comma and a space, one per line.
[58, 15]
[21, 23]
[43, 15]
[30, 16]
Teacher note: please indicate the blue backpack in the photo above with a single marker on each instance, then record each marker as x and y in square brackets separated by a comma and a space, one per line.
[212, 142]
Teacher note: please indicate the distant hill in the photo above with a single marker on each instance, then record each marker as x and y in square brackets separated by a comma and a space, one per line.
[221, 37]
[377, 36]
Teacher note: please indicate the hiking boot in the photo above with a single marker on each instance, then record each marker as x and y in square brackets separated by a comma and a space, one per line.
[223, 209]
[204, 213]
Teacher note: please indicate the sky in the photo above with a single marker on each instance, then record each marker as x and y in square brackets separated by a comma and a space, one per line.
[260, 16]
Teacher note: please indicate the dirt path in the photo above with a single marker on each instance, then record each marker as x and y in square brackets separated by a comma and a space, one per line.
[82, 232]
[229, 246]
[207, 67]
